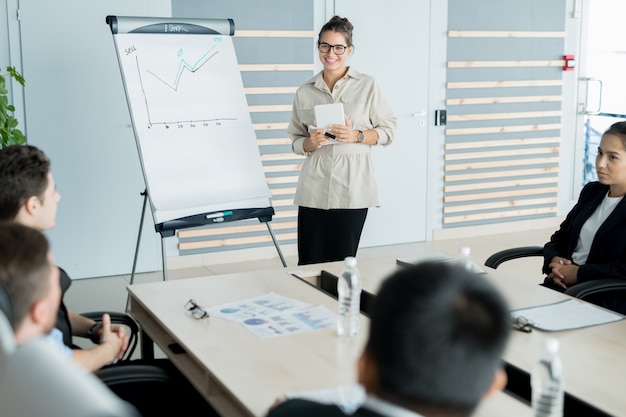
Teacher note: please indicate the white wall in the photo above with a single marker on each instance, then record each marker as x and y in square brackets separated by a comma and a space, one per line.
[76, 111]
[77, 114]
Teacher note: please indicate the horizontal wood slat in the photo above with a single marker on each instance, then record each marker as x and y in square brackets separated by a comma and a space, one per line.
[499, 116]
[261, 227]
[502, 84]
[501, 143]
[273, 141]
[496, 154]
[466, 176]
[503, 129]
[281, 157]
[270, 126]
[501, 194]
[270, 108]
[270, 90]
[206, 244]
[285, 214]
[506, 64]
[282, 168]
[503, 34]
[499, 215]
[499, 164]
[500, 205]
[281, 180]
[282, 202]
[283, 191]
[478, 186]
[502, 100]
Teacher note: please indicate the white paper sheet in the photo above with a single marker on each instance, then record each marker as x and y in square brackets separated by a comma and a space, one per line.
[566, 315]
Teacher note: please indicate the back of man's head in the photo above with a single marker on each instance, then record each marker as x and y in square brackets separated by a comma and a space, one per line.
[437, 335]
[23, 174]
[24, 268]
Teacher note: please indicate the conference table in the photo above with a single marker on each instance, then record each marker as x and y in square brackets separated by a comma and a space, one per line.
[594, 358]
[237, 372]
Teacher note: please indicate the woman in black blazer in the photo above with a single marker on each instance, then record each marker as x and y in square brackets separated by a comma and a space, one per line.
[591, 242]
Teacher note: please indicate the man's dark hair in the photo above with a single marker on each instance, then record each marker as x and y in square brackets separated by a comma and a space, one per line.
[437, 335]
[23, 174]
[24, 267]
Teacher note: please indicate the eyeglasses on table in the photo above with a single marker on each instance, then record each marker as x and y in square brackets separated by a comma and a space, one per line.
[522, 324]
[197, 311]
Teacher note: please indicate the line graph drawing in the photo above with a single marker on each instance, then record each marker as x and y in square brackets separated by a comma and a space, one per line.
[192, 95]
[184, 65]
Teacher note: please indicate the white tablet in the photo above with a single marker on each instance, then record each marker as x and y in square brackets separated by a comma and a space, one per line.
[329, 114]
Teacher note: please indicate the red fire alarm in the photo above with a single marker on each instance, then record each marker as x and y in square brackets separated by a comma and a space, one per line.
[568, 62]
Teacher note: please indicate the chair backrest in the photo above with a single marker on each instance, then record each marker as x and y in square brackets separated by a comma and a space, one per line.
[37, 381]
[6, 306]
[7, 340]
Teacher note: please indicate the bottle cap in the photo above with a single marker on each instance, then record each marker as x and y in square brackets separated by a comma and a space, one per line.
[351, 261]
[551, 344]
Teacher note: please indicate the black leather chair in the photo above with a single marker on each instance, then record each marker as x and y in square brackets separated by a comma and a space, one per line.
[583, 290]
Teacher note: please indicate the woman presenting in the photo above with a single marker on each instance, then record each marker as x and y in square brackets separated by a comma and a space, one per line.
[591, 242]
[337, 183]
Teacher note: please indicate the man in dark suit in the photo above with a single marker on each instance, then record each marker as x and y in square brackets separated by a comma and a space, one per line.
[436, 338]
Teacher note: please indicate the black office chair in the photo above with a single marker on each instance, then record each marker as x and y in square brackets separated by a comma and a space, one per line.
[584, 290]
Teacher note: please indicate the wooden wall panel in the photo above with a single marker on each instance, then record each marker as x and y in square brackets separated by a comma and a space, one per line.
[502, 146]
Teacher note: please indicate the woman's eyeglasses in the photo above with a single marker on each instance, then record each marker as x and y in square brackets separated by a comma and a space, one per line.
[197, 311]
[337, 49]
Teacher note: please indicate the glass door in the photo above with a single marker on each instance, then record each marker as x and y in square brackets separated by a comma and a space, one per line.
[604, 83]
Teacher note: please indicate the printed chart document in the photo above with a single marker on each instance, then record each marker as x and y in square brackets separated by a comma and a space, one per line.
[347, 397]
[273, 315]
[566, 315]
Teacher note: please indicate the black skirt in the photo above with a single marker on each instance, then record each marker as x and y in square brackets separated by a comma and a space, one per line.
[328, 235]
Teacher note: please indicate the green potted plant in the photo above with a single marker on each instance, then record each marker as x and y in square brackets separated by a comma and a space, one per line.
[9, 134]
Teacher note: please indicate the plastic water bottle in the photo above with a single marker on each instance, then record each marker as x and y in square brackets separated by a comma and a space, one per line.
[464, 258]
[547, 382]
[349, 294]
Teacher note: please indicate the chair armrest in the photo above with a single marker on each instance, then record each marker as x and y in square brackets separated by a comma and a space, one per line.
[121, 319]
[513, 253]
[131, 374]
[587, 288]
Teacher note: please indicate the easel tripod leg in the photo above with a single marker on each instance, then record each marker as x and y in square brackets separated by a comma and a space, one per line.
[132, 274]
[280, 254]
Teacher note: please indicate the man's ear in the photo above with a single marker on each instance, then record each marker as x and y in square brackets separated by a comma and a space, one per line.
[499, 382]
[367, 370]
[39, 313]
[31, 205]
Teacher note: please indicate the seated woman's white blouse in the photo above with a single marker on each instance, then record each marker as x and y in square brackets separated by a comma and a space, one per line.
[590, 228]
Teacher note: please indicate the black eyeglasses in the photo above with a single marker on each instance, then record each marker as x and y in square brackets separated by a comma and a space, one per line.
[337, 49]
[522, 324]
[197, 311]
